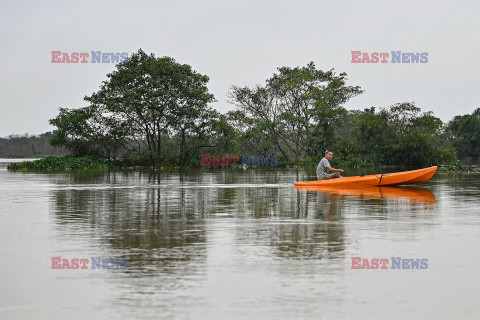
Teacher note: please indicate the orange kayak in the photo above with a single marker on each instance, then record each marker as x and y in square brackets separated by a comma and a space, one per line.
[386, 179]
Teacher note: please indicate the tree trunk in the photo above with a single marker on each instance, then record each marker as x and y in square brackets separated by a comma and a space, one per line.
[183, 146]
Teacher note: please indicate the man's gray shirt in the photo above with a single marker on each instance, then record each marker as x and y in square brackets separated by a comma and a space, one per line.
[322, 170]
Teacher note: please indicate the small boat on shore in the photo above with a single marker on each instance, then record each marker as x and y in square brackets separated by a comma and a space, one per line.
[384, 179]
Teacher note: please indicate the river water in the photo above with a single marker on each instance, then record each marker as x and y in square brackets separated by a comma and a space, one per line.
[235, 244]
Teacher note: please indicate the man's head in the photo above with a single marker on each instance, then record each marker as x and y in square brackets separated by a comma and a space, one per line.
[329, 154]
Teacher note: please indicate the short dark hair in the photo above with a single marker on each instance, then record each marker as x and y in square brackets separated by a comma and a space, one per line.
[327, 151]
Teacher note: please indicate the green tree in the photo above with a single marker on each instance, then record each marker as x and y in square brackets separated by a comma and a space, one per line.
[153, 98]
[75, 130]
[399, 135]
[465, 132]
[149, 109]
[295, 113]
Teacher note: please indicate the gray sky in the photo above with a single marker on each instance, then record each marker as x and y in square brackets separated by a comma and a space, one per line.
[239, 43]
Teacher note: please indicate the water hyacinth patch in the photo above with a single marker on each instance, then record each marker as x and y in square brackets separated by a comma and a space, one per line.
[61, 163]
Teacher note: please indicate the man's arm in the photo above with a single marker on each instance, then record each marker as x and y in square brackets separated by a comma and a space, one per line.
[335, 170]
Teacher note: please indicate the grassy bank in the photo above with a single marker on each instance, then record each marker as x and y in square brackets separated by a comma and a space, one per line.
[61, 163]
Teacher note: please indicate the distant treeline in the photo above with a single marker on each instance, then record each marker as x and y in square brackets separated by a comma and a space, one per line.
[155, 111]
[29, 146]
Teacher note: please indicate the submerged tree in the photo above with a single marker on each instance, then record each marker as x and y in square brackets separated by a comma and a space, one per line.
[398, 135]
[152, 106]
[465, 131]
[294, 114]
[154, 110]
[75, 131]
[154, 98]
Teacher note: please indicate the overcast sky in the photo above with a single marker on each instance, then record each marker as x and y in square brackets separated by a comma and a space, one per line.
[239, 43]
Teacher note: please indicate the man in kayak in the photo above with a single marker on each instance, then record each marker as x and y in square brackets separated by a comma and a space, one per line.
[325, 170]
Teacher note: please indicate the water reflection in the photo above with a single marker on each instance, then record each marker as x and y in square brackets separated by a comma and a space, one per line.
[308, 240]
[411, 194]
[143, 213]
[149, 217]
[184, 233]
[212, 243]
[131, 210]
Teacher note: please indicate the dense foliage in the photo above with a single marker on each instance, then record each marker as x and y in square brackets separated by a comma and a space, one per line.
[294, 115]
[299, 113]
[155, 111]
[149, 111]
[398, 135]
[465, 135]
[61, 163]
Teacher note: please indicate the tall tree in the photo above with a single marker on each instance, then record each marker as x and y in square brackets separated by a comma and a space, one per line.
[295, 112]
[466, 135]
[153, 98]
